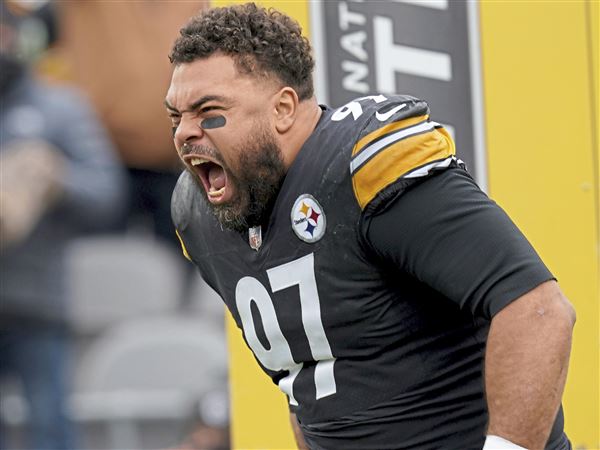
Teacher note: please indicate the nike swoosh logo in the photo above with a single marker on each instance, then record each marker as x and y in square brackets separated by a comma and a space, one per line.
[385, 116]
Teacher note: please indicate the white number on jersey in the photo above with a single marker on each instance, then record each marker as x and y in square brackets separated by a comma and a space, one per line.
[299, 272]
[355, 108]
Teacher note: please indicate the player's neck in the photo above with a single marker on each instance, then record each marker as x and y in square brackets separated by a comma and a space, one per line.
[307, 118]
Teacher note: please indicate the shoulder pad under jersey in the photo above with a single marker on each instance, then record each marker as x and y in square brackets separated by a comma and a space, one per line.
[398, 142]
[185, 196]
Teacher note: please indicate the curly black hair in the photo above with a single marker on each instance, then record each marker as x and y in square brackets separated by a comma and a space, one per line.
[262, 43]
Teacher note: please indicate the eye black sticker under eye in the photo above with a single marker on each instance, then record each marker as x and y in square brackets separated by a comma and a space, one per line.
[213, 122]
[174, 130]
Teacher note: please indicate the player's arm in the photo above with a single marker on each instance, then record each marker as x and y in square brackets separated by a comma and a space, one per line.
[526, 362]
[448, 234]
[300, 442]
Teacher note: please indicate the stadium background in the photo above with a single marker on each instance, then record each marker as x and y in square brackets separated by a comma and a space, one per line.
[516, 82]
[539, 140]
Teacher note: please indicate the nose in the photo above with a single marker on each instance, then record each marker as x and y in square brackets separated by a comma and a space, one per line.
[188, 131]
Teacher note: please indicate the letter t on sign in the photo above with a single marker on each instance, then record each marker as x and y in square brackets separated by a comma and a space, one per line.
[391, 58]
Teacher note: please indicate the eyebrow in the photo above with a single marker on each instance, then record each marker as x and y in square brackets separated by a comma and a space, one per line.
[198, 103]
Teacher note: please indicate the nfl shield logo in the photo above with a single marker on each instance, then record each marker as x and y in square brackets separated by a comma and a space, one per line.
[255, 237]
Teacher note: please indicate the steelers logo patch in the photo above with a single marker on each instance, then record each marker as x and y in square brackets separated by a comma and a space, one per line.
[308, 219]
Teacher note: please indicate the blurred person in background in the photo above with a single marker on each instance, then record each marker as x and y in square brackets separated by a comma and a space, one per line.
[60, 177]
[115, 51]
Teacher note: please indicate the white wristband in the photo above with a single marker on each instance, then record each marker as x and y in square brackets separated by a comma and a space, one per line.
[497, 443]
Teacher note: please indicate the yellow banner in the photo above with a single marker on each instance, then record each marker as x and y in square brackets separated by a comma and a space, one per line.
[541, 125]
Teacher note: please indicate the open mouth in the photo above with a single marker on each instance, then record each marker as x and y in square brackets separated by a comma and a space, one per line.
[212, 175]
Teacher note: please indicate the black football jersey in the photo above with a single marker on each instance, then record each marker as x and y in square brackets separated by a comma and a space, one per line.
[354, 303]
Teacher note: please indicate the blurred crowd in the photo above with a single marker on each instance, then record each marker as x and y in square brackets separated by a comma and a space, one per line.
[86, 151]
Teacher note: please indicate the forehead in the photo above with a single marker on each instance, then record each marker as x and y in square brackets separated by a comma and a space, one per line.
[216, 75]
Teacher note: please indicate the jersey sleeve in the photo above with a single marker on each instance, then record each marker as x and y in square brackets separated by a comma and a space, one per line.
[449, 235]
[398, 145]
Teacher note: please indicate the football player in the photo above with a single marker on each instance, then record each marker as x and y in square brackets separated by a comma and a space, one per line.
[386, 295]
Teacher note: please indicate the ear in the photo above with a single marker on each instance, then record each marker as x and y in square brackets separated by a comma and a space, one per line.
[286, 108]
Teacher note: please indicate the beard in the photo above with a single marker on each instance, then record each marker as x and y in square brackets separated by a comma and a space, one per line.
[256, 181]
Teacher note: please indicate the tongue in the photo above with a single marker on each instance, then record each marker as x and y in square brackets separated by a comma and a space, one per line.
[216, 177]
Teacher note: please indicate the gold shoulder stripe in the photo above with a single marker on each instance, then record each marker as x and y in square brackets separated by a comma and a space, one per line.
[183, 249]
[398, 159]
[389, 128]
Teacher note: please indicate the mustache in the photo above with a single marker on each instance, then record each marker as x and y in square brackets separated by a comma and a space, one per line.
[200, 150]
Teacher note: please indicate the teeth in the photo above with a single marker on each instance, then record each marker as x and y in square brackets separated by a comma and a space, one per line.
[198, 161]
[214, 193]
